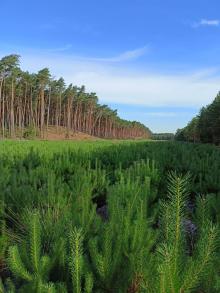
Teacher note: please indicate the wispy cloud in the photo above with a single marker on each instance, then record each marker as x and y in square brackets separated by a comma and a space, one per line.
[125, 56]
[121, 83]
[122, 57]
[163, 114]
[60, 49]
[206, 22]
[115, 83]
[159, 114]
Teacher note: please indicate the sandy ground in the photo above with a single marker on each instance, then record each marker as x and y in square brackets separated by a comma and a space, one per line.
[60, 134]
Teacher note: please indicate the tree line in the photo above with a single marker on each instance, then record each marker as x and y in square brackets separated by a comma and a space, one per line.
[205, 127]
[31, 102]
[162, 136]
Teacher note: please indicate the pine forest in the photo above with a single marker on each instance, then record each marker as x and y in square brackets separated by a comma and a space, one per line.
[31, 103]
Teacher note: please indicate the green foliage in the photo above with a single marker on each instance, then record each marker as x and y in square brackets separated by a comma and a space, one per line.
[8, 287]
[30, 133]
[204, 127]
[110, 217]
[76, 259]
[181, 271]
[162, 136]
[27, 262]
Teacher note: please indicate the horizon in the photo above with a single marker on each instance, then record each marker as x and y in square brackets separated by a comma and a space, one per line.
[159, 69]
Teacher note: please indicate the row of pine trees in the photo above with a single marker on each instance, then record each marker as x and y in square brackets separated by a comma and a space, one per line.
[205, 127]
[31, 102]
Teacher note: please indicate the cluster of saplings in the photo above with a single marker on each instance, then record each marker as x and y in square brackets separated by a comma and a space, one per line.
[205, 127]
[111, 220]
[31, 102]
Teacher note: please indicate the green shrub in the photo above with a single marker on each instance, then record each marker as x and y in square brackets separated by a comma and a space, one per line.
[30, 132]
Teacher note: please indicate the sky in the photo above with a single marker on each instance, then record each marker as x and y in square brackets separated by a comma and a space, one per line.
[156, 61]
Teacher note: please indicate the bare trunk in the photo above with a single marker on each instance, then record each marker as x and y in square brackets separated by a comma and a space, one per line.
[42, 106]
[12, 117]
[48, 110]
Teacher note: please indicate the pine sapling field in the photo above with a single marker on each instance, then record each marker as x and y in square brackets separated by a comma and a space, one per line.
[109, 217]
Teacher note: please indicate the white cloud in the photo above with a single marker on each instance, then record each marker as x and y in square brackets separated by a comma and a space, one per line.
[125, 56]
[162, 114]
[207, 22]
[212, 22]
[117, 83]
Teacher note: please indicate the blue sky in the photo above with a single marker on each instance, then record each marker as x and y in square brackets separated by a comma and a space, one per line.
[156, 61]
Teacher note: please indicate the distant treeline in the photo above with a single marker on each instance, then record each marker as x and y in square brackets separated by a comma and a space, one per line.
[162, 136]
[205, 127]
[31, 102]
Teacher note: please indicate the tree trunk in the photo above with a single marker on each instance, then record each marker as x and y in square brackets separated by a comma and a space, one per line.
[12, 117]
[48, 110]
[42, 110]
